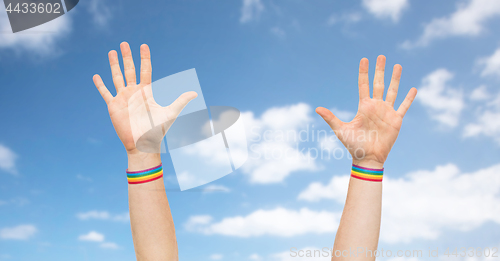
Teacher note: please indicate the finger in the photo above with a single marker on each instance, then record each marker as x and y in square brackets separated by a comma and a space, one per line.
[145, 64]
[128, 64]
[392, 92]
[116, 71]
[176, 107]
[330, 118]
[106, 95]
[378, 79]
[403, 108]
[363, 81]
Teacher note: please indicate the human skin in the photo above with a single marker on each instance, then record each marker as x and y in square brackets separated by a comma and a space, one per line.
[151, 221]
[374, 131]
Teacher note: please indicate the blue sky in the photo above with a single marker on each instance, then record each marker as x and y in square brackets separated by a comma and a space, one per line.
[63, 194]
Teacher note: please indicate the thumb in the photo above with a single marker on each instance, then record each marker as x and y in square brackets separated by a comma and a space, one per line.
[330, 118]
[178, 105]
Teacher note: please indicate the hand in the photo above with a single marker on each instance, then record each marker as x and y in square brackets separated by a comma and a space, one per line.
[370, 135]
[133, 111]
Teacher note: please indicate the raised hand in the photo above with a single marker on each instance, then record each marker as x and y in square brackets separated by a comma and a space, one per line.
[370, 136]
[133, 110]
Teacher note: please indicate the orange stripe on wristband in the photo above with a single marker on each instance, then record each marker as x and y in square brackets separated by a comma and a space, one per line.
[375, 175]
[144, 176]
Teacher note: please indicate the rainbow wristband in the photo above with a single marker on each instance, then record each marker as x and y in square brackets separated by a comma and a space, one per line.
[143, 176]
[367, 174]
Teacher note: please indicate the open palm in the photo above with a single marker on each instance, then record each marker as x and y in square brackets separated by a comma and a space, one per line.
[133, 111]
[370, 136]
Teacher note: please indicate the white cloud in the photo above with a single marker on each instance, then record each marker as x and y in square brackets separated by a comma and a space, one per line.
[343, 115]
[277, 222]
[216, 257]
[195, 222]
[251, 10]
[386, 8]
[491, 64]
[487, 115]
[103, 215]
[92, 236]
[479, 94]
[336, 189]
[100, 12]
[424, 203]
[443, 102]
[16, 201]
[273, 143]
[273, 146]
[84, 178]
[255, 257]
[331, 145]
[109, 245]
[21, 232]
[278, 32]
[7, 159]
[216, 188]
[40, 40]
[346, 18]
[468, 20]
[487, 123]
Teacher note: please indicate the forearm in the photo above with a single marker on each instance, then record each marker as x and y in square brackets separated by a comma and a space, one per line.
[153, 228]
[360, 222]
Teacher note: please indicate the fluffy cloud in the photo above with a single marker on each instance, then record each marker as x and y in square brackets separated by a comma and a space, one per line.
[99, 11]
[487, 121]
[423, 203]
[343, 115]
[468, 20]
[276, 222]
[251, 10]
[273, 143]
[21, 232]
[40, 40]
[103, 215]
[479, 94]
[443, 102]
[109, 245]
[346, 18]
[255, 257]
[216, 257]
[491, 64]
[386, 8]
[215, 188]
[271, 148]
[278, 32]
[97, 237]
[92, 236]
[7, 159]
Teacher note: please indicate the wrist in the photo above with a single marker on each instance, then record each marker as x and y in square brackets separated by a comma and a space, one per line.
[138, 160]
[368, 163]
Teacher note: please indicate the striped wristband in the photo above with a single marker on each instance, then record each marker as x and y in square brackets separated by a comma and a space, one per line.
[368, 174]
[144, 176]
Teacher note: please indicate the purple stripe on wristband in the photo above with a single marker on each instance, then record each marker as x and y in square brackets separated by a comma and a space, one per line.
[139, 171]
[368, 168]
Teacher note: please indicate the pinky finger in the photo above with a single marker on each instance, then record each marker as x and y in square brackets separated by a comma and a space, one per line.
[106, 95]
[403, 108]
